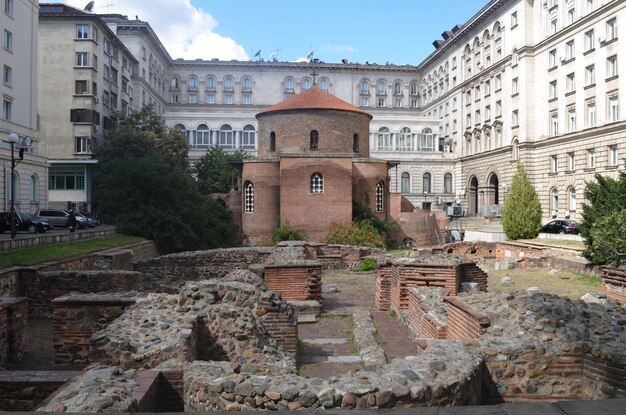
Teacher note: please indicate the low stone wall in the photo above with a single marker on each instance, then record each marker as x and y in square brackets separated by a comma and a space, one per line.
[464, 322]
[159, 391]
[76, 318]
[295, 281]
[424, 321]
[10, 282]
[340, 256]
[493, 250]
[25, 390]
[614, 283]
[602, 378]
[13, 321]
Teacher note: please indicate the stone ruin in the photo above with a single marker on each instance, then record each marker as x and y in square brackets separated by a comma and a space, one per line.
[212, 336]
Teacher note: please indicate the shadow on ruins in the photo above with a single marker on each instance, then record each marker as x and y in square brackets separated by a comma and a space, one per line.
[218, 330]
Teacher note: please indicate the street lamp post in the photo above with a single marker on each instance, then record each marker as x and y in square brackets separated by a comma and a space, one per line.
[12, 139]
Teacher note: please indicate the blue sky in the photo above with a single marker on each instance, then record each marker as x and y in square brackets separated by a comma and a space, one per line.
[395, 31]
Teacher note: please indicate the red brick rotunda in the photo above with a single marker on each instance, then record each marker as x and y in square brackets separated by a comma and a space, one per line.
[313, 163]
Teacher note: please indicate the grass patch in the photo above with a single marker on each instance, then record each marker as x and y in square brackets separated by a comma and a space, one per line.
[352, 348]
[556, 243]
[566, 283]
[367, 265]
[393, 314]
[36, 254]
[301, 345]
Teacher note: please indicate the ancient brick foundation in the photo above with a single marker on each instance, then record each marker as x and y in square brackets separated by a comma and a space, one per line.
[24, 390]
[302, 281]
[13, 320]
[76, 318]
[614, 283]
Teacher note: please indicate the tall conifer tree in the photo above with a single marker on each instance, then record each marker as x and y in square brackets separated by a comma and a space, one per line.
[521, 214]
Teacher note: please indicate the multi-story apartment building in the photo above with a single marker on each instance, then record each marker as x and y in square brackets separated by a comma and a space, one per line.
[521, 80]
[85, 76]
[18, 90]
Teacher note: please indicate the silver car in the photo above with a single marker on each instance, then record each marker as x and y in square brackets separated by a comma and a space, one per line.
[59, 217]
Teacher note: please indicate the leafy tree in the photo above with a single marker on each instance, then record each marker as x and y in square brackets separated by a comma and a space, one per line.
[608, 234]
[214, 174]
[142, 184]
[521, 213]
[605, 197]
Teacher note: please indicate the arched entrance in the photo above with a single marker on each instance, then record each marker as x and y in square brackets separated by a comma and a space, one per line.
[473, 196]
[493, 196]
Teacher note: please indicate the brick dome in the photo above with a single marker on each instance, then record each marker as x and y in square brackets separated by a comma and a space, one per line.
[313, 99]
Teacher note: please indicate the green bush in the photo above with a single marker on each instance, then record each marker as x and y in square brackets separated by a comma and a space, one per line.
[356, 234]
[286, 233]
[521, 213]
[368, 264]
[608, 236]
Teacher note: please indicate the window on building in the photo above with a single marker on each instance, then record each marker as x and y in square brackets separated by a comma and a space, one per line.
[314, 140]
[571, 116]
[248, 137]
[554, 92]
[571, 161]
[613, 155]
[82, 59]
[590, 40]
[192, 84]
[613, 108]
[249, 197]
[246, 85]
[82, 31]
[32, 188]
[611, 29]
[515, 86]
[380, 197]
[210, 84]
[7, 75]
[554, 201]
[66, 179]
[365, 102]
[229, 85]
[571, 16]
[174, 99]
[515, 118]
[193, 99]
[590, 5]
[554, 164]
[513, 19]
[384, 139]
[201, 137]
[7, 109]
[591, 114]
[288, 85]
[612, 66]
[554, 25]
[447, 183]
[82, 145]
[355, 143]
[228, 99]
[317, 183]
[405, 182]
[8, 7]
[554, 124]
[324, 85]
[591, 158]
[381, 88]
[590, 75]
[571, 199]
[174, 84]
[107, 46]
[426, 183]
[397, 88]
[498, 82]
[405, 140]
[570, 83]
[272, 141]
[81, 87]
[8, 41]
[306, 84]
[570, 50]
[552, 60]
[380, 102]
[226, 137]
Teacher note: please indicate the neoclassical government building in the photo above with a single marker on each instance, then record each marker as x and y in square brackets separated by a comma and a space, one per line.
[522, 80]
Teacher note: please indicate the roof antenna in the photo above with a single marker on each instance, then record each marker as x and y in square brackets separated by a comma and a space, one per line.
[89, 7]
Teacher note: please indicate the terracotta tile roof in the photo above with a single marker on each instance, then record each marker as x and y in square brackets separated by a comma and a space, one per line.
[313, 98]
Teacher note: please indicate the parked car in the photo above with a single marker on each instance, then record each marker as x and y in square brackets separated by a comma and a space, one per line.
[23, 222]
[561, 226]
[91, 222]
[59, 217]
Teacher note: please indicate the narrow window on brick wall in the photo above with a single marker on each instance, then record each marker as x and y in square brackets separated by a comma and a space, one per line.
[380, 197]
[249, 197]
[355, 143]
[317, 183]
[272, 141]
[314, 140]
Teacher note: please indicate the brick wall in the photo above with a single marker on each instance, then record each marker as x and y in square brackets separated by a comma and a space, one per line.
[421, 226]
[13, 322]
[614, 283]
[472, 273]
[24, 390]
[421, 322]
[76, 318]
[603, 379]
[472, 250]
[281, 326]
[295, 282]
[404, 277]
[159, 391]
[464, 322]
[383, 287]
[259, 225]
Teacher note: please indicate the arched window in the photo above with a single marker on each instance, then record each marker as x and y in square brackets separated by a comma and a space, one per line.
[174, 84]
[397, 88]
[515, 149]
[324, 85]
[226, 137]
[314, 140]
[192, 84]
[571, 199]
[317, 183]
[447, 183]
[405, 182]
[380, 197]
[554, 201]
[249, 197]
[248, 137]
[306, 84]
[210, 84]
[365, 87]
[202, 137]
[413, 88]
[32, 189]
[288, 85]
[384, 139]
[426, 182]
[246, 85]
[427, 140]
[355, 143]
[272, 141]
[229, 85]
[405, 143]
[381, 88]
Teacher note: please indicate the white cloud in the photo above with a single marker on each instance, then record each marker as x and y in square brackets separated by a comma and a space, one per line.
[185, 31]
[340, 48]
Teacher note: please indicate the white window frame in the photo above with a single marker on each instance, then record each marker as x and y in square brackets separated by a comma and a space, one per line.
[591, 158]
[317, 183]
[613, 155]
[82, 59]
[249, 198]
[82, 31]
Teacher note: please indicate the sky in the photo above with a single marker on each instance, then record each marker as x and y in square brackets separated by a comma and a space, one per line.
[374, 31]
